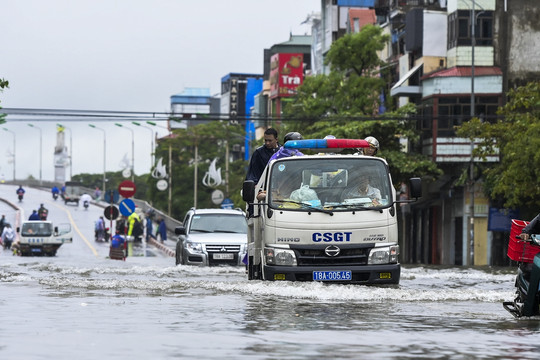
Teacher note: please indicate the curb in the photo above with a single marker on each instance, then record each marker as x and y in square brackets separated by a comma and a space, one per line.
[167, 250]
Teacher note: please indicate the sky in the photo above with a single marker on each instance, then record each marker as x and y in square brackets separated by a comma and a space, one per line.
[122, 55]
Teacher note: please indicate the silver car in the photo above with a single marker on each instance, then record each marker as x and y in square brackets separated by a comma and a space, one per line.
[211, 237]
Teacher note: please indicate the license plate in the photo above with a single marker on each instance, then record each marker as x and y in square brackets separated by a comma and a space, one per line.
[223, 256]
[332, 275]
[36, 249]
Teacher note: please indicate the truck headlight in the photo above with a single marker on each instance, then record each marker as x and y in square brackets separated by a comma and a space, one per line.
[194, 247]
[384, 255]
[280, 257]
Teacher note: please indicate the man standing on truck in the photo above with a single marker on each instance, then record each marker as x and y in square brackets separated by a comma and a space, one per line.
[262, 155]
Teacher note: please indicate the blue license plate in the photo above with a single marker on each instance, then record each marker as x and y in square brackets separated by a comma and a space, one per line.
[344, 275]
[36, 249]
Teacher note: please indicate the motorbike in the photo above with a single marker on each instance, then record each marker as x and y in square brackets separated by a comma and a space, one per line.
[20, 196]
[86, 203]
[526, 301]
[55, 196]
[106, 235]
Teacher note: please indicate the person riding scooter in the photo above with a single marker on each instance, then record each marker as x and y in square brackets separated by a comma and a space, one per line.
[20, 193]
[55, 192]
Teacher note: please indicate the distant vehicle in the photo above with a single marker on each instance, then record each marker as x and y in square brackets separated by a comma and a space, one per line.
[42, 238]
[211, 237]
[73, 192]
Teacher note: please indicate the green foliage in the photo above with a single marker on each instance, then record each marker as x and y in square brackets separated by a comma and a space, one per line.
[516, 137]
[3, 84]
[114, 179]
[344, 103]
[358, 52]
[210, 140]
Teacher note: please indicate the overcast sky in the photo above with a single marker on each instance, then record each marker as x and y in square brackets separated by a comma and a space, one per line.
[124, 55]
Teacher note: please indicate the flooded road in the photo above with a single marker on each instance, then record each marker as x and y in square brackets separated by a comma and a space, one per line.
[82, 305]
[147, 307]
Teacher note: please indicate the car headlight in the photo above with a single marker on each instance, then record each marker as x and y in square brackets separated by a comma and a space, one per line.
[194, 247]
[280, 257]
[384, 255]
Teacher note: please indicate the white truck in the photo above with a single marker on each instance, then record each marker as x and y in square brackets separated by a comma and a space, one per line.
[42, 238]
[332, 227]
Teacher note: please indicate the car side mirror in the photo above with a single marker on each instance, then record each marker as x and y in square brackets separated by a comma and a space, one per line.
[248, 191]
[180, 230]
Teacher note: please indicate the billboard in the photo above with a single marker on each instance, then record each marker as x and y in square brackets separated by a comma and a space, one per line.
[286, 74]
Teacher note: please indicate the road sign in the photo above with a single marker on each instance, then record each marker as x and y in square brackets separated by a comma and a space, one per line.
[127, 188]
[127, 207]
[111, 212]
[111, 196]
[217, 197]
[227, 204]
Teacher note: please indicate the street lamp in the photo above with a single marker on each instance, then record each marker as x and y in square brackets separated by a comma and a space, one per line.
[132, 150]
[14, 163]
[170, 168]
[70, 150]
[40, 152]
[152, 141]
[104, 153]
[473, 21]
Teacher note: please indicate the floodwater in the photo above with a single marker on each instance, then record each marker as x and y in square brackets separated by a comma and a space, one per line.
[82, 305]
[146, 307]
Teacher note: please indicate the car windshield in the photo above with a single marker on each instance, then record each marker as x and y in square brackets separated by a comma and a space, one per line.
[330, 183]
[219, 223]
[36, 229]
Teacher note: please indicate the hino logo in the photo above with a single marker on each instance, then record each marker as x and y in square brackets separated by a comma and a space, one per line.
[287, 239]
[332, 250]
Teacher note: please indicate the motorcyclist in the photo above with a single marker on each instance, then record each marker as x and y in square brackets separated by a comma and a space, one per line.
[55, 191]
[532, 228]
[43, 212]
[20, 192]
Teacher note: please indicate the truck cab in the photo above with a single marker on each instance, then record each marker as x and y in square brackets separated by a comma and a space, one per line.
[42, 238]
[325, 217]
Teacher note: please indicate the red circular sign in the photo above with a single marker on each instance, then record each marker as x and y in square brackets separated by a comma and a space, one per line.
[126, 188]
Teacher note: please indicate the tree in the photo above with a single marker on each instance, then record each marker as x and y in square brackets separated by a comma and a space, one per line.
[515, 136]
[210, 140]
[3, 85]
[344, 103]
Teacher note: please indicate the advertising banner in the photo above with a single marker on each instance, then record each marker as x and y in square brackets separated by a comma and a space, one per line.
[286, 74]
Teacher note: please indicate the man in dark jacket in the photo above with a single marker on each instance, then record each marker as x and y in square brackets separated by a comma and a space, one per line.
[532, 228]
[262, 154]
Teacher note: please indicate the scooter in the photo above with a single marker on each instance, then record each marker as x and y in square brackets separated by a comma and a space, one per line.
[55, 196]
[86, 203]
[20, 196]
[526, 302]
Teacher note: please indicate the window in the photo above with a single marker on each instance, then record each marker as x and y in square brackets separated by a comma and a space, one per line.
[459, 28]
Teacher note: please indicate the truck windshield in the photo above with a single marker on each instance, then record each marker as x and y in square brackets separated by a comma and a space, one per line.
[36, 229]
[329, 183]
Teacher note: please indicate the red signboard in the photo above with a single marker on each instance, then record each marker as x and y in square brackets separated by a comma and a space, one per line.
[126, 188]
[286, 74]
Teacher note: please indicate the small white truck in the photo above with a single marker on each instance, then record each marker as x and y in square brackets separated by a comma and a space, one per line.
[317, 220]
[42, 238]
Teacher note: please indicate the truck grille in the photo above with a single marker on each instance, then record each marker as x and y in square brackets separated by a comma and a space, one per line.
[316, 256]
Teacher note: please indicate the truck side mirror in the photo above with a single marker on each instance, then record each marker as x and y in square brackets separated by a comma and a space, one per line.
[415, 187]
[248, 191]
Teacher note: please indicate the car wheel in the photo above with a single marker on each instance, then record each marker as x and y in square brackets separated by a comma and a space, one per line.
[178, 258]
